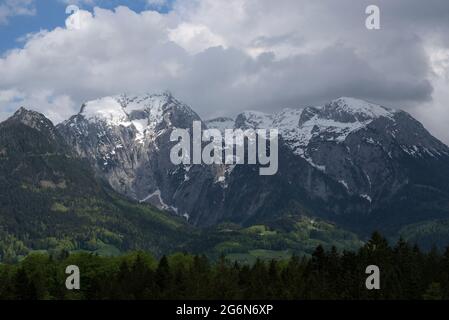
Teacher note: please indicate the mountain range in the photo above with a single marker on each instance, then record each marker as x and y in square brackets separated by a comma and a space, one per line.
[349, 164]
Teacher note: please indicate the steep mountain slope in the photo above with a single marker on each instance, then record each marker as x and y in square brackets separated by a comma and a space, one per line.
[391, 171]
[359, 164]
[127, 140]
[49, 199]
[118, 135]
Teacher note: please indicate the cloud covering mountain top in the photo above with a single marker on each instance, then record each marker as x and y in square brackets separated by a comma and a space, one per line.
[222, 57]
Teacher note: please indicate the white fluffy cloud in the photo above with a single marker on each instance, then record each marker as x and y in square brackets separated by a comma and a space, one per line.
[222, 56]
[195, 37]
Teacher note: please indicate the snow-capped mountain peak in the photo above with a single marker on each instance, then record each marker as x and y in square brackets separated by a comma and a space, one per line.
[107, 109]
[359, 109]
[221, 123]
[119, 109]
[253, 120]
[334, 121]
[144, 112]
[348, 149]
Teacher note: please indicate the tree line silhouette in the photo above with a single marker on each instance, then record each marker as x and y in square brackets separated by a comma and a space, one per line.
[406, 272]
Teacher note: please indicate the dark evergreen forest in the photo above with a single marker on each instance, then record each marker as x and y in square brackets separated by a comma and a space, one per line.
[406, 272]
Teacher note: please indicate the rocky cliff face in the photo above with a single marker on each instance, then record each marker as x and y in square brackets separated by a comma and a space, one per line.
[350, 161]
[127, 140]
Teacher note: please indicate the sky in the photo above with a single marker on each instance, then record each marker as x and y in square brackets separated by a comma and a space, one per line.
[225, 56]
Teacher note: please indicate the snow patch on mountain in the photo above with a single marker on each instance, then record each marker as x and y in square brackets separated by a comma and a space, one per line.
[333, 122]
[221, 123]
[106, 109]
[345, 184]
[143, 112]
[155, 199]
[254, 120]
[360, 108]
[366, 197]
